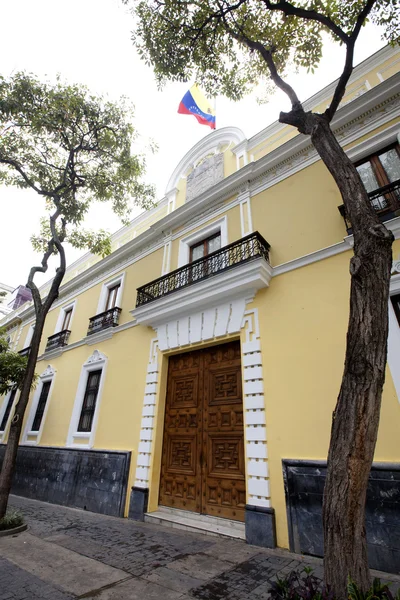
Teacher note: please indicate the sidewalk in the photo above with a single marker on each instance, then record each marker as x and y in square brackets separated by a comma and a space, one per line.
[68, 554]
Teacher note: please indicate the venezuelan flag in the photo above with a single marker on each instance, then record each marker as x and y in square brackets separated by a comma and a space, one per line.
[196, 104]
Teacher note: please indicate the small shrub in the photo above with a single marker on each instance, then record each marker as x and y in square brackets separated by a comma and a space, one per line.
[305, 586]
[378, 591]
[12, 518]
[299, 586]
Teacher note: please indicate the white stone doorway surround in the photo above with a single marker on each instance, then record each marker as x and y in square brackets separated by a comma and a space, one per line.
[206, 325]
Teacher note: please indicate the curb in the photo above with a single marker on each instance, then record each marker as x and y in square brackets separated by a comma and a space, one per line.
[14, 530]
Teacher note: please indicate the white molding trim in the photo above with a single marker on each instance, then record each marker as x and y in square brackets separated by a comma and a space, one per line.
[120, 279]
[49, 374]
[88, 340]
[3, 434]
[142, 474]
[255, 433]
[166, 263]
[96, 361]
[221, 225]
[61, 315]
[394, 332]
[243, 280]
[29, 335]
[368, 112]
[246, 222]
[323, 95]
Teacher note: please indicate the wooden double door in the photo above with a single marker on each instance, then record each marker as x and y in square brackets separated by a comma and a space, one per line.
[203, 467]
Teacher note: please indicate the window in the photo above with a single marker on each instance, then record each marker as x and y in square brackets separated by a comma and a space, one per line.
[89, 401]
[395, 300]
[217, 228]
[67, 319]
[382, 170]
[82, 427]
[112, 295]
[6, 414]
[205, 247]
[37, 421]
[202, 249]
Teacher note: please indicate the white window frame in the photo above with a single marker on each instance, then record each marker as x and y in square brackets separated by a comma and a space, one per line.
[61, 316]
[101, 307]
[219, 226]
[48, 375]
[85, 439]
[394, 336]
[29, 336]
[3, 407]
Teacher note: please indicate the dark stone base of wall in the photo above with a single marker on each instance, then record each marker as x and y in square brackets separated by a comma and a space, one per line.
[94, 480]
[138, 503]
[304, 487]
[260, 526]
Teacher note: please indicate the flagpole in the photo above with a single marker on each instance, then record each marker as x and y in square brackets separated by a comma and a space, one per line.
[215, 110]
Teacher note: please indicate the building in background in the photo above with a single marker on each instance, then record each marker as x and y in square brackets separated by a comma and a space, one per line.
[5, 294]
[14, 298]
[189, 378]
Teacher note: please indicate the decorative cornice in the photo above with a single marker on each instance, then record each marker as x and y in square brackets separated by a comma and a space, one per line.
[373, 109]
[96, 357]
[48, 372]
[326, 93]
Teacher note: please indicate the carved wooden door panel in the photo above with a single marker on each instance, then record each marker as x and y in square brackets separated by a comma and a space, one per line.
[223, 474]
[202, 466]
[180, 467]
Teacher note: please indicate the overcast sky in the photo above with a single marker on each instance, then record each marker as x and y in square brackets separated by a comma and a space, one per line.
[88, 41]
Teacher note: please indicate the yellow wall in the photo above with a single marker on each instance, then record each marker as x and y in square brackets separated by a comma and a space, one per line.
[299, 215]
[303, 323]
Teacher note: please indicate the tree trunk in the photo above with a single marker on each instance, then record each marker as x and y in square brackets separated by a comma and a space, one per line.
[356, 416]
[8, 466]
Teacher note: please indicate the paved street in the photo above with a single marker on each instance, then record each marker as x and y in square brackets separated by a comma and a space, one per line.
[67, 554]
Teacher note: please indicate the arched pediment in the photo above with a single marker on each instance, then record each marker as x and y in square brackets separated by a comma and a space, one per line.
[204, 150]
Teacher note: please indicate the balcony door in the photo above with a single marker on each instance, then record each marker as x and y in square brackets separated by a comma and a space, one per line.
[203, 467]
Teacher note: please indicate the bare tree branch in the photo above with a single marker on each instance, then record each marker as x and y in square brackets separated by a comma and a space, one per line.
[348, 65]
[267, 55]
[17, 167]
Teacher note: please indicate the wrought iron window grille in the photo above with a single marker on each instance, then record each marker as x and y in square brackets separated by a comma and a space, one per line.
[249, 248]
[58, 340]
[104, 320]
[385, 201]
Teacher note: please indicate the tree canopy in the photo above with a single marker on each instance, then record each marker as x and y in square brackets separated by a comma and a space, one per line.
[72, 148]
[229, 47]
[12, 365]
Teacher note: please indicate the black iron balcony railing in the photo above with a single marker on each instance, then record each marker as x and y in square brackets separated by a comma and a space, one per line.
[248, 248]
[25, 351]
[385, 201]
[106, 319]
[58, 340]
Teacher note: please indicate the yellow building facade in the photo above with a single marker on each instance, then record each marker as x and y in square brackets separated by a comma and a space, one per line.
[190, 377]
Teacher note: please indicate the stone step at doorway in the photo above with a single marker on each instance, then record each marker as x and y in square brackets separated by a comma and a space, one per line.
[197, 523]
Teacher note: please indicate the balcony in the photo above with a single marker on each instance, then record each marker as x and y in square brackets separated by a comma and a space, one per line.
[248, 248]
[385, 201]
[238, 269]
[104, 320]
[58, 340]
[25, 351]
